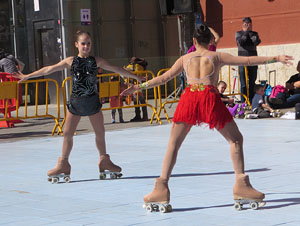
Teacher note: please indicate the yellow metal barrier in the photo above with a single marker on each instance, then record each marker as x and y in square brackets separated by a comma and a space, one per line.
[177, 88]
[168, 99]
[10, 90]
[236, 78]
[109, 88]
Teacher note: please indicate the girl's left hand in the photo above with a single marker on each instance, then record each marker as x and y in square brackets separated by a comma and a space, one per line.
[131, 89]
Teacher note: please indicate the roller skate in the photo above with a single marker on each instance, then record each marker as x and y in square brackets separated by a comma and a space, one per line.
[106, 166]
[159, 198]
[244, 193]
[276, 114]
[241, 110]
[61, 170]
[233, 110]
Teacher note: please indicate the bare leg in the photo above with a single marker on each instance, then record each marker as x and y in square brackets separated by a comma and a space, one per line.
[105, 163]
[177, 136]
[97, 122]
[63, 166]
[242, 188]
[69, 130]
[161, 191]
[235, 139]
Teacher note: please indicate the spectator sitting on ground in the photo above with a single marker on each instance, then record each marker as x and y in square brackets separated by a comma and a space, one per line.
[225, 99]
[290, 99]
[235, 109]
[293, 87]
[258, 105]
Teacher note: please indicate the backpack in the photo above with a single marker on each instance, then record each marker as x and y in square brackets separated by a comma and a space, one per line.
[268, 90]
[278, 90]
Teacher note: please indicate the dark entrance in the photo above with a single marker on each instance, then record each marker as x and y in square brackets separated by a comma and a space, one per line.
[45, 39]
[5, 34]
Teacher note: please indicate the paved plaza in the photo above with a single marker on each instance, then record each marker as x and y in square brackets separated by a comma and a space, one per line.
[201, 183]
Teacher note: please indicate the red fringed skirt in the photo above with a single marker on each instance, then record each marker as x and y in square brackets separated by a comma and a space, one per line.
[202, 104]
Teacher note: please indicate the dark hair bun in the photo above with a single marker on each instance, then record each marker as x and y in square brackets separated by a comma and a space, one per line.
[203, 34]
[79, 33]
[202, 28]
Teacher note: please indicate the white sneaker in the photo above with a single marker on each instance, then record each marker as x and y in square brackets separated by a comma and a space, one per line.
[251, 116]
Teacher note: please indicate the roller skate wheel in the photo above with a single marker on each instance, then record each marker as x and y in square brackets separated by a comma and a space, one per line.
[261, 204]
[169, 208]
[144, 206]
[238, 206]
[49, 179]
[254, 205]
[113, 176]
[67, 179]
[149, 208]
[55, 180]
[162, 209]
[102, 176]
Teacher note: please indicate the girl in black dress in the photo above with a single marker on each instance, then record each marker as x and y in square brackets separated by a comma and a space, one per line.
[84, 101]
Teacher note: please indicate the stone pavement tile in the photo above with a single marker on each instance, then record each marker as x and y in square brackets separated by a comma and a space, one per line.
[201, 183]
[20, 220]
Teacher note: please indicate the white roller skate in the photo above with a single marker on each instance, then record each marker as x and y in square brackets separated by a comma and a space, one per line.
[244, 193]
[61, 170]
[159, 198]
[107, 167]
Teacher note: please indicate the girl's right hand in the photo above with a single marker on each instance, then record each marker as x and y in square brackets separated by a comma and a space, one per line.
[20, 76]
[230, 100]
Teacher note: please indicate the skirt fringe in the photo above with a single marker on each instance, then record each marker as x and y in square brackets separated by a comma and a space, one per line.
[202, 105]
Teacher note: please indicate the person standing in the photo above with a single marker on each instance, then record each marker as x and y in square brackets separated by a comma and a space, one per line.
[201, 103]
[84, 101]
[247, 40]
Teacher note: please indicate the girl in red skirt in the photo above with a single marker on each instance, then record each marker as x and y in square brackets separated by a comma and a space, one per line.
[201, 103]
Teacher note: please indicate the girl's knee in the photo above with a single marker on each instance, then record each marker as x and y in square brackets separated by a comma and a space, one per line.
[68, 134]
[238, 139]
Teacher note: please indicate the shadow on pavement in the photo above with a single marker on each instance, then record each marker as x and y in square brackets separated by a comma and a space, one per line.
[25, 134]
[173, 175]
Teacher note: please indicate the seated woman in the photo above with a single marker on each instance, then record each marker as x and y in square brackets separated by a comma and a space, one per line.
[291, 96]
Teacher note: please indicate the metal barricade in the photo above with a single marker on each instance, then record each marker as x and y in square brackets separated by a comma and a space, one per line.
[111, 88]
[168, 99]
[10, 90]
[235, 79]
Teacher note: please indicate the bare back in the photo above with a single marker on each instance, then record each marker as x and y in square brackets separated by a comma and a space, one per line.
[201, 67]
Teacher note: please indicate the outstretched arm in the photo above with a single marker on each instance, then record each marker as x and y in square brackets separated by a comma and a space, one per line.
[66, 63]
[167, 76]
[123, 72]
[228, 59]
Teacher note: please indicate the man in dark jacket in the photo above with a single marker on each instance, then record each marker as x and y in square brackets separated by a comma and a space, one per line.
[247, 40]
